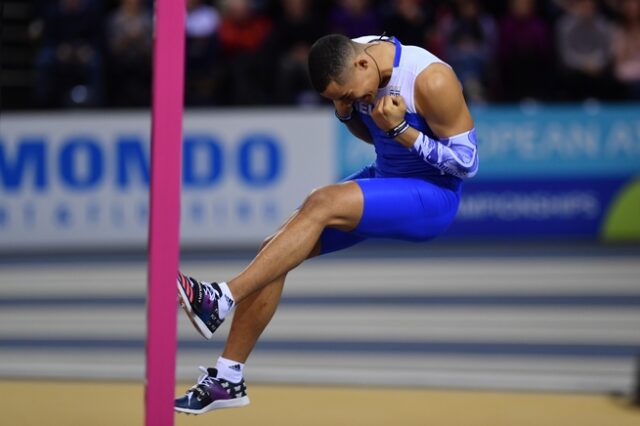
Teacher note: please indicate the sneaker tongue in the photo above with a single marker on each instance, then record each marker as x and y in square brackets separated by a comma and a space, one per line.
[212, 372]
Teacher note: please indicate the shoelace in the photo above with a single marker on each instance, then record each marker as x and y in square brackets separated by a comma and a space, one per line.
[210, 291]
[205, 378]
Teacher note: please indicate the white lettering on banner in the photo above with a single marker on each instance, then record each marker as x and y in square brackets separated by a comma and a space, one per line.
[538, 205]
[622, 140]
[84, 182]
[533, 141]
[96, 212]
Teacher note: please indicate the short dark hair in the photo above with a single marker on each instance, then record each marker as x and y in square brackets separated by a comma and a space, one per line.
[328, 59]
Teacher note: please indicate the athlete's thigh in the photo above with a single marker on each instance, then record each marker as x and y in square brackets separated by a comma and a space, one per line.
[333, 239]
[405, 208]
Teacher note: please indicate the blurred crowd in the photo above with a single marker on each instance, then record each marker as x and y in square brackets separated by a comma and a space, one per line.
[97, 53]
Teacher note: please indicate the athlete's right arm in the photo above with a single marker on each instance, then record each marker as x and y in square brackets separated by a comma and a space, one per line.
[353, 122]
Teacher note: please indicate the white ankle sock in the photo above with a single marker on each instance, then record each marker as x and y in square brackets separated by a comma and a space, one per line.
[226, 302]
[229, 370]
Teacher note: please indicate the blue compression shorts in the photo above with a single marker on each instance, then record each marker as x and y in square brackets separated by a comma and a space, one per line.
[403, 208]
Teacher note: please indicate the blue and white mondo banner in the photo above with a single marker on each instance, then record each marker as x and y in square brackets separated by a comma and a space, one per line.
[82, 180]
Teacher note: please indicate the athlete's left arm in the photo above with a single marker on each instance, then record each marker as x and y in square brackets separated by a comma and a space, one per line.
[439, 100]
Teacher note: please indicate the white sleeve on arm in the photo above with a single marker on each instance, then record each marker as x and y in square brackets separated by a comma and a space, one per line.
[456, 155]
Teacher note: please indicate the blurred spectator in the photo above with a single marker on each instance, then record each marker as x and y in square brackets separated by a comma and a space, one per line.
[626, 48]
[408, 22]
[203, 71]
[129, 32]
[525, 53]
[69, 64]
[294, 32]
[354, 18]
[243, 32]
[585, 53]
[443, 16]
[253, 52]
[470, 48]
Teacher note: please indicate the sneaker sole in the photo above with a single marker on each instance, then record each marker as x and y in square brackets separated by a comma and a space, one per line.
[216, 405]
[195, 320]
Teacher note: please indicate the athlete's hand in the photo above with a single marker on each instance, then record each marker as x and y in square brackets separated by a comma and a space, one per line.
[389, 112]
[343, 108]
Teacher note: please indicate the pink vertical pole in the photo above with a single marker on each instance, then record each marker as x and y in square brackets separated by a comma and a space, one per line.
[164, 217]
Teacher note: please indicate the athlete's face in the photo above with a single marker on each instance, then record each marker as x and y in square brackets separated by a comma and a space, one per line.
[359, 83]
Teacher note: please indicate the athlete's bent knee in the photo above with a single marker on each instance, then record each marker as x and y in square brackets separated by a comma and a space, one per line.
[318, 203]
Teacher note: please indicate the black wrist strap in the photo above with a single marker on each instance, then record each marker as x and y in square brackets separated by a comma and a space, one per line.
[398, 130]
[343, 119]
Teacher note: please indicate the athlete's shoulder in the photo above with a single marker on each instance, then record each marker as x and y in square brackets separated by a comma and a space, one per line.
[437, 79]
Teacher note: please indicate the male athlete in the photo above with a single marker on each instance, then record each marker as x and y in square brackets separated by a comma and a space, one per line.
[409, 105]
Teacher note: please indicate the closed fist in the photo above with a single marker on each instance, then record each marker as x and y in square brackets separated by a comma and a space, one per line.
[388, 112]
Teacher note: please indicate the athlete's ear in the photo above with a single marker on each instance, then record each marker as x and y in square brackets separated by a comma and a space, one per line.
[361, 62]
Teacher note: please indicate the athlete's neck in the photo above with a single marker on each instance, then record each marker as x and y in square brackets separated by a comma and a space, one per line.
[383, 53]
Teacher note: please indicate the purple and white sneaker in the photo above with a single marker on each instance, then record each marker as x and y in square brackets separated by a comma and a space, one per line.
[200, 301]
[212, 393]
